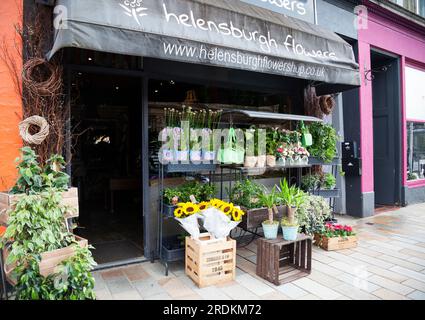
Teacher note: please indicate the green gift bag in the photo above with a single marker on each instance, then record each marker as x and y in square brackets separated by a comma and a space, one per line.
[231, 153]
[306, 138]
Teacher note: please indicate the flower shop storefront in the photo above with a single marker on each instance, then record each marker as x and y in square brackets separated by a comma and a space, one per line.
[233, 72]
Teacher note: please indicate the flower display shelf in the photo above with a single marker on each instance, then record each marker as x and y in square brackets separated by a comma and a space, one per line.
[171, 250]
[166, 212]
[326, 193]
[320, 162]
[189, 167]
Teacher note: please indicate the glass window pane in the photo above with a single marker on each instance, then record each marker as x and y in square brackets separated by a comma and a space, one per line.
[416, 150]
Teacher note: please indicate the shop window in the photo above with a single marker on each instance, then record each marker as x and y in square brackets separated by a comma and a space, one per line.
[416, 150]
[415, 6]
[415, 114]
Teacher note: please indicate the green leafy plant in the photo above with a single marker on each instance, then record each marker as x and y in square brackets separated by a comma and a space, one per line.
[36, 225]
[272, 141]
[325, 140]
[290, 196]
[286, 223]
[269, 200]
[246, 194]
[312, 214]
[329, 181]
[35, 178]
[201, 192]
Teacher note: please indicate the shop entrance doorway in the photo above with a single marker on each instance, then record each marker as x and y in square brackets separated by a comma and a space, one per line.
[386, 128]
[107, 164]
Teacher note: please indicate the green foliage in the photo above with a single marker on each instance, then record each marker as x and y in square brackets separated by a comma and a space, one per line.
[35, 178]
[73, 281]
[246, 193]
[286, 223]
[312, 213]
[272, 141]
[325, 139]
[37, 225]
[201, 192]
[269, 200]
[290, 196]
[329, 181]
[319, 180]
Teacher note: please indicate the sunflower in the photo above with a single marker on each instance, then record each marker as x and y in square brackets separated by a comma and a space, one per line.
[203, 205]
[227, 208]
[217, 203]
[237, 214]
[190, 208]
[178, 213]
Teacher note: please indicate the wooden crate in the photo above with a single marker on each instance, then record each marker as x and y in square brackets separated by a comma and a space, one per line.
[69, 198]
[255, 217]
[280, 261]
[338, 243]
[49, 260]
[210, 261]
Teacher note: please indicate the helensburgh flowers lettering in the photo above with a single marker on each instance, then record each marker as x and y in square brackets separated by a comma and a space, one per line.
[134, 9]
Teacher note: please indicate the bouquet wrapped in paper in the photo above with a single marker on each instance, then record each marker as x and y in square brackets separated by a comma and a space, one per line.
[220, 217]
[187, 215]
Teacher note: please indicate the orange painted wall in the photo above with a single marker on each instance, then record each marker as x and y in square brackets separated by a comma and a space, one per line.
[10, 102]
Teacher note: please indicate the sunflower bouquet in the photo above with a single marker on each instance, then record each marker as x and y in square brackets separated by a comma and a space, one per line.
[187, 215]
[221, 217]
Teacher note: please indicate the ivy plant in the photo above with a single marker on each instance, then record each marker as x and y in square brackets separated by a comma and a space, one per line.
[312, 213]
[325, 140]
[36, 225]
[35, 177]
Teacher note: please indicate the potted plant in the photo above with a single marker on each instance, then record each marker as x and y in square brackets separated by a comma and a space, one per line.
[289, 229]
[329, 181]
[251, 159]
[312, 214]
[270, 226]
[336, 237]
[34, 178]
[292, 198]
[43, 259]
[325, 140]
[271, 146]
[258, 151]
[281, 154]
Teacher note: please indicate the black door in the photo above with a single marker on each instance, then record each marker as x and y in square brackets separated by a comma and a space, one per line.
[386, 129]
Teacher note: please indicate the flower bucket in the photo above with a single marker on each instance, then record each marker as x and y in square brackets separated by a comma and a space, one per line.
[290, 233]
[209, 155]
[250, 161]
[281, 162]
[270, 230]
[271, 161]
[195, 155]
[167, 155]
[182, 155]
[261, 161]
[304, 160]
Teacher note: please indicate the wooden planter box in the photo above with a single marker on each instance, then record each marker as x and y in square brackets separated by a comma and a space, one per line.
[49, 260]
[210, 261]
[69, 198]
[255, 217]
[339, 243]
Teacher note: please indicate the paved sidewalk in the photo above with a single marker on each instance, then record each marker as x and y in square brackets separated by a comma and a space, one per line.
[389, 263]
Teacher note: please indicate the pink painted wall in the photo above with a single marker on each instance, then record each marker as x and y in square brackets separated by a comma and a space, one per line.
[385, 34]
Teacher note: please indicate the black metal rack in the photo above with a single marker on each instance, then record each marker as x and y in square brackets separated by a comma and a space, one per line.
[167, 255]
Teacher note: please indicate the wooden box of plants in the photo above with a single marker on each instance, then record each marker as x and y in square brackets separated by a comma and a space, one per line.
[69, 198]
[49, 260]
[210, 261]
[336, 237]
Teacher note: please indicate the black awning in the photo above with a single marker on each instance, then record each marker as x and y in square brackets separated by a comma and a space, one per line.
[229, 34]
[272, 116]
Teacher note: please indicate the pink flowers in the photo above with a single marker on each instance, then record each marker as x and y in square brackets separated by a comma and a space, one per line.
[337, 230]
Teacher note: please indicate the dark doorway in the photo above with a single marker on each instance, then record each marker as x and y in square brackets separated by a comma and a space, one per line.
[107, 164]
[386, 128]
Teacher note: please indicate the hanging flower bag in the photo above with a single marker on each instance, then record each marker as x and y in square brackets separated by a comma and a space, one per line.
[231, 153]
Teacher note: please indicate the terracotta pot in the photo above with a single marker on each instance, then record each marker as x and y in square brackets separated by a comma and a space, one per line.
[250, 161]
[261, 161]
[271, 161]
